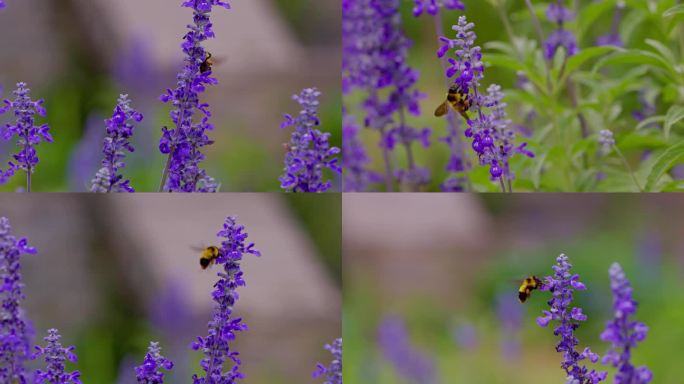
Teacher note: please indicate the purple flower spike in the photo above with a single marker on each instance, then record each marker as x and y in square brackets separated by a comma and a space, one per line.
[224, 325]
[354, 159]
[332, 373]
[559, 14]
[613, 37]
[562, 284]
[55, 357]
[15, 329]
[183, 143]
[116, 144]
[411, 364]
[150, 372]
[2, 4]
[28, 134]
[623, 333]
[433, 6]
[309, 151]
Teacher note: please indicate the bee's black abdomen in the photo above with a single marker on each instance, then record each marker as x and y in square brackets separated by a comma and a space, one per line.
[204, 263]
[522, 296]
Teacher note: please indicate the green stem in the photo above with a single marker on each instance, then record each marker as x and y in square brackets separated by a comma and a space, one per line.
[629, 169]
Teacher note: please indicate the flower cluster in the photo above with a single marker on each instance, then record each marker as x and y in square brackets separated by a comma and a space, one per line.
[116, 144]
[433, 6]
[309, 151]
[559, 14]
[332, 373]
[624, 333]
[150, 372]
[28, 134]
[55, 356]
[15, 330]
[224, 325]
[410, 363]
[375, 51]
[562, 285]
[354, 160]
[183, 143]
[606, 140]
[493, 137]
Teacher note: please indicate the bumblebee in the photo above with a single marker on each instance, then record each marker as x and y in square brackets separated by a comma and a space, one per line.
[205, 66]
[459, 101]
[209, 256]
[527, 286]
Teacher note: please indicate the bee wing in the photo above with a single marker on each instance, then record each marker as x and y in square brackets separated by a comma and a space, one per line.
[218, 60]
[198, 248]
[442, 109]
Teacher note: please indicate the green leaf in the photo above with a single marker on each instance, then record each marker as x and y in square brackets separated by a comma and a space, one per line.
[674, 115]
[585, 55]
[664, 51]
[676, 10]
[650, 120]
[590, 14]
[637, 56]
[663, 164]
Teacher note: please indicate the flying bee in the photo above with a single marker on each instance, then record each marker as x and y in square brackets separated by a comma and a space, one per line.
[527, 286]
[208, 255]
[205, 66]
[459, 101]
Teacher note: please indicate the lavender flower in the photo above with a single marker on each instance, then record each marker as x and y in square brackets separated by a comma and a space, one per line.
[183, 143]
[2, 4]
[492, 134]
[375, 50]
[116, 144]
[606, 140]
[623, 333]
[559, 14]
[150, 372]
[15, 330]
[432, 6]
[332, 373]
[86, 157]
[224, 325]
[28, 134]
[55, 357]
[309, 151]
[510, 314]
[562, 285]
[411, 364]
[613, 37]
[354, 160]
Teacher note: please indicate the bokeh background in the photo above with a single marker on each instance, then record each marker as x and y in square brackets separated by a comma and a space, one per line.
[113, 273]
[487, 16]
[79, 55]
[447, 269]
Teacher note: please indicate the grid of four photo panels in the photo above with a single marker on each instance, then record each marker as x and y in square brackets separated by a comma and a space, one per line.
[464, 191]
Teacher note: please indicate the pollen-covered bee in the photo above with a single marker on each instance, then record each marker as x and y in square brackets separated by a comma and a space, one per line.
[208, 256]
[527, 286]
[459, 101]
[205, 66]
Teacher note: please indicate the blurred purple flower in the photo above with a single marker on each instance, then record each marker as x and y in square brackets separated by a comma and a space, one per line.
[559, 14]
[606, 140]
[624, 334]
[309, 151]
[613, 37]
[375, 51]
[354, 159]
[492, 134]
[562, 285]
[135, 69]
[433, 6]
[28, 134]
[2, 4]
[465, 335]
[677, 172]
[411, 364]
[648, 109]
[85, 158]
[183, 143]
[15, 329]
[224, 326]
[55, 357]
[150, 372]
[116, 144]
[333, 372]
[510, 314]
